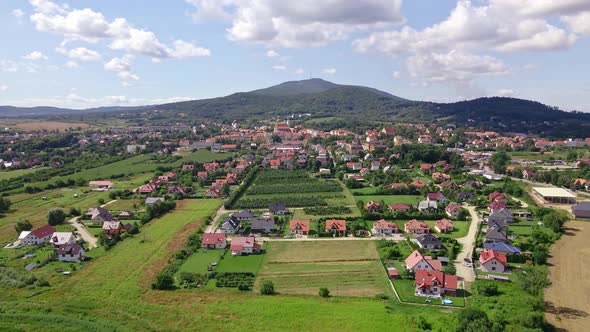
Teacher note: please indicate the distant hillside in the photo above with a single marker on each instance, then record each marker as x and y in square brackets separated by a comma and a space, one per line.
[348, 104]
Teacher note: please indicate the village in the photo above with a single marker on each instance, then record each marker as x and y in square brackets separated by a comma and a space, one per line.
[423, 215]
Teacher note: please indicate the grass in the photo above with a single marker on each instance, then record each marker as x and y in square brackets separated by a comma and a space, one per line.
[202, 156]
[200, 260]
[250, 263]
[347, 268]
[406, 290]
[7, 175]
[112, 293]
[460, 229]
[391, 199]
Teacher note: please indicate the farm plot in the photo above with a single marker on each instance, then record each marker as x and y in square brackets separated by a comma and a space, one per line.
[347, 268]
[294, 187]
[391, 199]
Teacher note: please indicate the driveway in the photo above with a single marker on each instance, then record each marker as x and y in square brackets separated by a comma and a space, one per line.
[83, 232]
[213, 225]
[468, 242]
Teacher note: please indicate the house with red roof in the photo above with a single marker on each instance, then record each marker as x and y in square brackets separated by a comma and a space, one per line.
[436, 197]
[439, 177]
[299, 227]
[244, 245]
[71, 252]
[444, 225]
[203, 175]
[497, 197]
[496, 206]
[38, 236]
[275, 163]
[426, 167]
[214, 191]
[336, 227]
[101, 184]
[214, 241]
[527, 173]
[383, 227]
[399, 207]
[373, 207]
[492, 261]
[435, 283]
[417, 227]
[418, 184]
[416, 261]
[188, 167]
[452, 210]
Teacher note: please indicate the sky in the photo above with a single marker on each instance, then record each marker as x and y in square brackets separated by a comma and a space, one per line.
[83, 53]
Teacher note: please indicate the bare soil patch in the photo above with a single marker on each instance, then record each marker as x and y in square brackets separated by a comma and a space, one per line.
[567, 299]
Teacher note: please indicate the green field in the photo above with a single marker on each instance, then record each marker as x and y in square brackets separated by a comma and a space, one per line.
[200, 260]
[202, 156]
[391, 199]
[112, 293]
[7, 175]
[249, 263]
[347, 268]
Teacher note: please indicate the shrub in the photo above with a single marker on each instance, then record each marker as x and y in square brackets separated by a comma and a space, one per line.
[486, 288]
[163, 281]
[324, 292]
[56, 217]
[268, 288]
[23, 225]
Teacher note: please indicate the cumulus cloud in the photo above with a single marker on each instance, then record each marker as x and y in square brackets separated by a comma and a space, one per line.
[35, 56]
[118, 100]
[72, 64]
[91, 26]
[329, 71]
[3, 87]
[279, 68]
[122, 67]
[396, 74]
[453, 66]
[472, 27]
[18, 14]
[505, 93]
[211, 10]
[299, 71]
[80, 53]
[579, 23]
[307, 23]
[272, 54]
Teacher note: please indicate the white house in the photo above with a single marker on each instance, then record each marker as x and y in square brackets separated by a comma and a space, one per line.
[38, 236]
[70, 253]
[492, 261]
[59, 238]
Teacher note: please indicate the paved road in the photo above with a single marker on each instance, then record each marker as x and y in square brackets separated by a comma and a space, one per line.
[83, 232]
[211, 227]
[468, 242]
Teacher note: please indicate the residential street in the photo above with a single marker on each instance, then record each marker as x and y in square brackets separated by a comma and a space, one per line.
[83, 232]
[468, 242]
[211, 227]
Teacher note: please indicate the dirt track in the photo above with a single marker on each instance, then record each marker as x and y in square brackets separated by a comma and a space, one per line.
[568, 298]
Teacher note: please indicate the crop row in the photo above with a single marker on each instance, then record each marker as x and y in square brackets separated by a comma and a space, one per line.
[313, 187]
[291, 201]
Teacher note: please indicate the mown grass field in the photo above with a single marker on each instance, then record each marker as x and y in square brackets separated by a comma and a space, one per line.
[112, 293]
[250, 263]
[391, 199]
[200, 260]
[6, 175]
[202, 156]
[347, 268]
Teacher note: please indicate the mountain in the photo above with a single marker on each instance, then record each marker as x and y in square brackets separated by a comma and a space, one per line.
[332, 105]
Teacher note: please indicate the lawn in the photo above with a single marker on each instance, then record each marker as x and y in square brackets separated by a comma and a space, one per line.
[406, 290]
[112, 293]
[249, 263]
[200, 260]
[202, 156]
[460, 229]
[347, 268]
[7, 175]
[391, 199]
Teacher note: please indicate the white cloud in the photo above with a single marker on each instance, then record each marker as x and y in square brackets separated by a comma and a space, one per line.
[91, 26]
[579, 23]
[122, 66]
[3, 87]
[396, 74]
[453, 66]
[299, 71]
[35, 56]
[17, 13]
[307, 23]
[279, 68]
[71, 64]
[329, 71]
[117, 99]
[80, 53]
[272, 54]
[9, 66]
[211, 10]
[542, 7]
[505, 92]
[470, 27]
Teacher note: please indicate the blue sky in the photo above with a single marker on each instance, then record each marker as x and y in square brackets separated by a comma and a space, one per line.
[91, 53]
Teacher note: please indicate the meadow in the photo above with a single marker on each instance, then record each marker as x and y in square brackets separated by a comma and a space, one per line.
[347, 268]
[391, 199]
[112, 293]
[7, 175]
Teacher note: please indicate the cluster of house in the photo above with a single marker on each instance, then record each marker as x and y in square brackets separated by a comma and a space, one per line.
[231, 177]
[110, 226]
[68, 250]
[262, 224]
[167, 180]
[428, 275]
[242, 245]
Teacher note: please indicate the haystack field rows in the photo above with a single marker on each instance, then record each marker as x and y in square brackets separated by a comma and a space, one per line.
[347, 268]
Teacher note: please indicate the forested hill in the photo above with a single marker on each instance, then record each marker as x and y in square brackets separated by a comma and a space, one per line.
[355, 104]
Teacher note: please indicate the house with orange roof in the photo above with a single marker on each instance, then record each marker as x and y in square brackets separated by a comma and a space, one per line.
[299, 227]
[444, 225]
[383, 227]
[244, 245]
[336, 227]
[435, 283]
[373, 207]
[492, 261]
[417, 261]
[417, 227]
